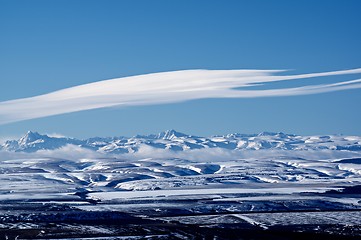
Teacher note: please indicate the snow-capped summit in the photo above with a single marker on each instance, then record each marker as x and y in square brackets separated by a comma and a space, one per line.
[31, 137]
[170, 134]
[176, 141]
[34, 141]
[267, 134]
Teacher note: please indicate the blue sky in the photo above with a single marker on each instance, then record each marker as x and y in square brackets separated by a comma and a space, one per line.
[50, 45]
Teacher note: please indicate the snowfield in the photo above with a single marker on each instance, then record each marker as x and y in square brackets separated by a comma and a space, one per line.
[309, 184]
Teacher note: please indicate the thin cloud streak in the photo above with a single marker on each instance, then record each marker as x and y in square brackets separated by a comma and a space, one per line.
[165, 87]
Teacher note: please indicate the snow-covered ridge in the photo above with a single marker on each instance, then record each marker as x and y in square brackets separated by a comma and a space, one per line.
[176, 141]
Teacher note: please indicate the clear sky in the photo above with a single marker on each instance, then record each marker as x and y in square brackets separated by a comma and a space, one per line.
[50, 45]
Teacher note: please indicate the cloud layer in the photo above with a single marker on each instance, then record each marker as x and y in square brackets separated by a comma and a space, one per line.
[164, 87]
[75, 153]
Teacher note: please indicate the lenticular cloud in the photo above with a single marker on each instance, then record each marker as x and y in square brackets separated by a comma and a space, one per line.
[164, 87]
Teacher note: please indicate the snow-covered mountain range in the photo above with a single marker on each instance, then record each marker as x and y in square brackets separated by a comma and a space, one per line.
[257, 180]
[176, 141]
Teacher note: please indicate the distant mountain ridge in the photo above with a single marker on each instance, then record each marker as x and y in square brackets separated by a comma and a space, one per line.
[176, 141]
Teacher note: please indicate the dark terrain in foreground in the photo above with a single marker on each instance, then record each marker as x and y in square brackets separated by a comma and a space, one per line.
[197, 218]
[160, 230]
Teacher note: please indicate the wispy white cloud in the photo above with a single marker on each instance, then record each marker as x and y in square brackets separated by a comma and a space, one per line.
[56, 135]
[164, 87]
[66, 152]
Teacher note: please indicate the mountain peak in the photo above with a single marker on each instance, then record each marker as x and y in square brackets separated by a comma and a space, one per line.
[32, 133]
[170, 134]
[267, 134]
[30, 137]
